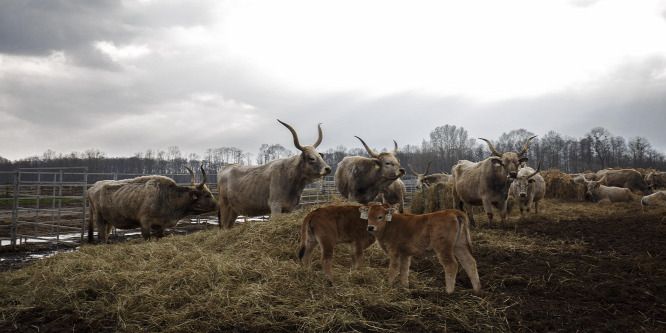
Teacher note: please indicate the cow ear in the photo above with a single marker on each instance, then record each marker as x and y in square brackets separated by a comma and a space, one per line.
[364, 212]
[496, 161]
[523, 160]
[395, 208]
[193, 194]
[531, 180]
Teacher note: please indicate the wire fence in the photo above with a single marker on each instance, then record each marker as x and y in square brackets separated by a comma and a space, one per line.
[50, 204]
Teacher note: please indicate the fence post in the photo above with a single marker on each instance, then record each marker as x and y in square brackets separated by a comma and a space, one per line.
[15, 211]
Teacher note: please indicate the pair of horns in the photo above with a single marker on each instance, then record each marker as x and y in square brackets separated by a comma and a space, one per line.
[492, 149]
[192, 178]
[293, 133]
[416, 174]
[395, 150]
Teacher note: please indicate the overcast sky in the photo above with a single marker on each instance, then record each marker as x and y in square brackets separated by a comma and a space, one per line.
[127, 76]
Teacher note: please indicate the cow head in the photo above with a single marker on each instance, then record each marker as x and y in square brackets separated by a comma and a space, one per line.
[202, 199]
[509, 162]
[592, 189]
[420, 178]
[311, 159]
[388, 164]
[525, 183]
[378, 215]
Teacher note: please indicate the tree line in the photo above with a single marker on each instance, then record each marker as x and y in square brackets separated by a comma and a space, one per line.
[446, 145]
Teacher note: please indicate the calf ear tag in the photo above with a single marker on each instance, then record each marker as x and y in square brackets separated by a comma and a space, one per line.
[364, 214]
[388, 217]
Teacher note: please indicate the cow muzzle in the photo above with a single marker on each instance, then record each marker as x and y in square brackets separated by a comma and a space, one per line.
[523, 194]
[327, 171]
[372, 228]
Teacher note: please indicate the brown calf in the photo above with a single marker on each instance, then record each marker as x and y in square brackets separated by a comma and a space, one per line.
[402, 236]
[328, 226]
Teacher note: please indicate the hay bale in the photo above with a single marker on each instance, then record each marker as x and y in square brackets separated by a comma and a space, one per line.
[559, 185]
[433, 199]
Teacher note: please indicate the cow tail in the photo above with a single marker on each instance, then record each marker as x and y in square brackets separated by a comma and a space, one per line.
[463, 227]
[306, 232]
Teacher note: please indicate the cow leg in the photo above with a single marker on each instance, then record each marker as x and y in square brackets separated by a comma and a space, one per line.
[488, 208]
[145, 228]
[502, 209]
[231, 218]
[459, 205]
[469, 265]
[405, 262]
[536, 207]
[394, 261]
[448, 261]
[159, 232]
[327, 261]
[227, 218]
[103, 231]
[310, 244]
[356, 254]
[276, 208]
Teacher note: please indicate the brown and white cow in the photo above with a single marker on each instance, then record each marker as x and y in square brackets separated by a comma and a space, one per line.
[425, 180]
[627, 178]
[654, 199]
[597, 192]
[148, 202]
[402, 236]
[486, 183]
[274, 187]
[331, 225]
[529, 187]
[361, 179]
[393, 194]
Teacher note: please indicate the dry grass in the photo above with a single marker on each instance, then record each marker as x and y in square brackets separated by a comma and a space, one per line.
[538, 273]
[559, 185]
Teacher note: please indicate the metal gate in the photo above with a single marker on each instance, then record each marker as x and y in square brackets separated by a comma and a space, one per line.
[49, 205]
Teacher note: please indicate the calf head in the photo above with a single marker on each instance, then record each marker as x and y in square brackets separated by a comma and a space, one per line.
[421, 177]
[509, 162]
[311, 159]
[202, 199]
[526, 182]
[378, 215]
[592, 189]
[389, 166]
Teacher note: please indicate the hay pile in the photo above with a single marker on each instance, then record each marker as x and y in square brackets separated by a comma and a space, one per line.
[559, 185]
[432, 199]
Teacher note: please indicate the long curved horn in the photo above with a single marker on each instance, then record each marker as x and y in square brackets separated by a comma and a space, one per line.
[368, 148]
[395, 150]
[427, 168]
[412, 170]
[293, 133]
[535, 172]
[527, 145]
[192, 178]
[203, 181]
[492, 149]
[320, 136]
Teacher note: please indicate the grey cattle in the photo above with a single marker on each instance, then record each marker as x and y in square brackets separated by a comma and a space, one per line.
[656, 179]
[148, 202]
[274, 187]
[654, 199]
[627, 178]
[486, 183]
[361, 179]
[529, 187]
[425, 180]
[394, 194]
[597, 192]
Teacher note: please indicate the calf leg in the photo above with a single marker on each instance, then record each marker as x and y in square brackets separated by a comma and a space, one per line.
[357, 254]
[327, 261]
[405, 262]
[448, 261]
[393, 268]
[469, 265]
[310, 244]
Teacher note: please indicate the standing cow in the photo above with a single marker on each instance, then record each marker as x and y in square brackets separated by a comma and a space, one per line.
[486, 183]
[361, 179]
[529, 187]
[423, 180]
[274, 187]
[401, 236]
[148, 202]
[393, 194]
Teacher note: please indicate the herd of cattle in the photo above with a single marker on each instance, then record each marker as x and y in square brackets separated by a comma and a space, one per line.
[157, 202]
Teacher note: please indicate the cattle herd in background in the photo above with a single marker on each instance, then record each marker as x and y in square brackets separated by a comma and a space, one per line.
[156, 202]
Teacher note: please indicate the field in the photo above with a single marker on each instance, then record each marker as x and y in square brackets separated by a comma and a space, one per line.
[577, 266]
